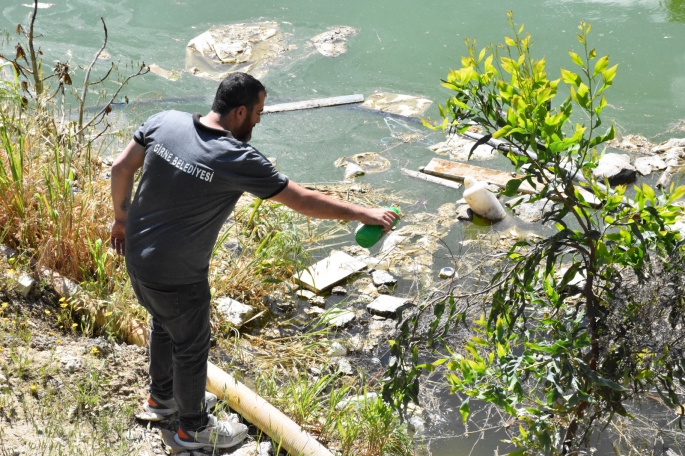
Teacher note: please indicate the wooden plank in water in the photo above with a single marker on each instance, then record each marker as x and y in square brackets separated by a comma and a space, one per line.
[458, 171]
[316, 103]
[329, 271]
[433, 179]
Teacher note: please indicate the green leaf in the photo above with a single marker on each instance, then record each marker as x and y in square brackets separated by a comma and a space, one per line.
[519, 452]
[512, 187]
[576, 59]
[601, 65]
[677, 194]
[509, 41]
[569, 77]
[465, 410]
[609, 74]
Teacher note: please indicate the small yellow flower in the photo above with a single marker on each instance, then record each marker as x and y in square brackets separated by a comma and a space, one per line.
[5, 304]
[51, 333]
[58, 341]
[5, 319]
[33, 389]
[94, 350]
[47, 312]
[63, 305]
[108, 314]
[74, 325]
[62, 299]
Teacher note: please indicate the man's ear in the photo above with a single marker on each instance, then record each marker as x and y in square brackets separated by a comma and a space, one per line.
[241, 113]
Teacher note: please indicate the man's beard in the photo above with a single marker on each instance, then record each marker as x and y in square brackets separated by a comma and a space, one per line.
[244, 132]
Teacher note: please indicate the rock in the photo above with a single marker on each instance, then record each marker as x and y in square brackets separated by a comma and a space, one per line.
[464, 212]
[63, 287]
[673, 142]
[171, 446]
[234, 312]
[356, 250]
[314, 311]
[365, 299]
[71, 364]
[645, 165]
[383, 278]
[171, 75]
[337, 349]
[341, 291]
[673, 156]
[352, 170]
[233, 247]
[384, 289]
[446, 273]
[7, 252]
[530, 212]
[416, 424]
[265, 449]
[24, 284]
[340, 318]
[344, 367]
[318, 301]
[333, 42]
[616, 168]
[387, 306]
[355, 343]
[305, 294]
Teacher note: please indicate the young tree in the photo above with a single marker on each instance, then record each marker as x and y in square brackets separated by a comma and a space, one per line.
[561, 352]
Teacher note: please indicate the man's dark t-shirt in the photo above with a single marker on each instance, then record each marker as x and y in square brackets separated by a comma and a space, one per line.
[192, 178]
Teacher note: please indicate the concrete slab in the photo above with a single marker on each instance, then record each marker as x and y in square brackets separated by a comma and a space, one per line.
[330, 271]
[387, 306]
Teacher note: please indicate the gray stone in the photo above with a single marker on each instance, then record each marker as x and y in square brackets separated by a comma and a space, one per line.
[305, 294]
[673, 142]
[71, 364]
[7, 252]
[337, 349]
[314, 311]
[339, 291]
[265, 449]
[384, 289]
[387, 306]
[383, 278]
[333, 42]
[673, 156]
[464, 212]
[24, 284]
[645, 165]
[344, 367]
[531, 212]
[339, 318]
[318, 301]
[234, 312]
[616, 168]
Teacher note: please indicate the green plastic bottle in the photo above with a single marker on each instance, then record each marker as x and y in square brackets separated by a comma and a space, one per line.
[367, 235]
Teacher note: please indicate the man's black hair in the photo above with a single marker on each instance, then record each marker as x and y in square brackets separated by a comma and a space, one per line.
[238, 89]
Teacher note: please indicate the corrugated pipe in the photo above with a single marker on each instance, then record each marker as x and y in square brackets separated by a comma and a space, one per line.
[274, 423]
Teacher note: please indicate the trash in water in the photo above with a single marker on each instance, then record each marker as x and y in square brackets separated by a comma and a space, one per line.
[171, 75]
[446, 273]
[405, 133]
[353, 170]
[482, 202]
[394, 103]
[225, 49]
[369, 162]
[333, 42]
[458, 148]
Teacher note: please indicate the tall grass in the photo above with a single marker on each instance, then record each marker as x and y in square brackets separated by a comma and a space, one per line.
[52, 207]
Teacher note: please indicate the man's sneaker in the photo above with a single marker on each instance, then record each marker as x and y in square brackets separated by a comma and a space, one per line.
[217, 434]
[163, 408]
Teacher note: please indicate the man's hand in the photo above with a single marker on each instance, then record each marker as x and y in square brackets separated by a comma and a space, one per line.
[380, 216]
[117, 237]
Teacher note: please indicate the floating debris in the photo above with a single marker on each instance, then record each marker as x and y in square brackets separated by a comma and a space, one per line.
[458, 148]
[405, 133]
[225, 49]
[333, 42]
[330, 271]
[393, 103]
[368, 162]
[446, 273]
[171, 75]
[39, 5]
[353, 170]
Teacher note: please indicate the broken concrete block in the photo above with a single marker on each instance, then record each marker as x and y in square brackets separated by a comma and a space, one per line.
[24, 284]
[318, 301]
[234, 312]
[64, 287]
[387, 306]
[330, 271]
[339, 318]
[383, 278]
[305, 294]
[645, 165]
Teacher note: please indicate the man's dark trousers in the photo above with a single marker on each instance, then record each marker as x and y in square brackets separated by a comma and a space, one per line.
[179, 345]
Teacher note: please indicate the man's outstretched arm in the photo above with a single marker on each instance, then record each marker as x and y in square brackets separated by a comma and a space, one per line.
[123, 171]
[318, 205]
